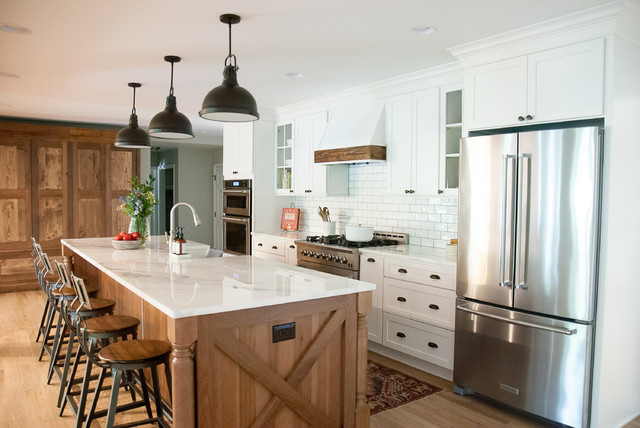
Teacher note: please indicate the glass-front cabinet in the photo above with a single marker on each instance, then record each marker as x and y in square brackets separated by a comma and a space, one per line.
[284, 158]
[451, 132]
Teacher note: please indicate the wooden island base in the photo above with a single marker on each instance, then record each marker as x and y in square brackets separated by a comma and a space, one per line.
[227, 372]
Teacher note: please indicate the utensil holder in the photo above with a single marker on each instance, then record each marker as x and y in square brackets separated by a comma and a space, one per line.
[328, 228]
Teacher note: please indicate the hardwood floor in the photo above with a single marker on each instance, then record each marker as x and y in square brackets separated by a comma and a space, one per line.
[27, 401]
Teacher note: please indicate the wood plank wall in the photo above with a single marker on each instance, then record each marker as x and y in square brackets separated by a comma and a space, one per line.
[56, 182]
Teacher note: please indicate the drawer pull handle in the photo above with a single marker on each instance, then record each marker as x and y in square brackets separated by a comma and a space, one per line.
[434, 276]
[292, 246]
[259, 244]
[370, 260]
[400, 334]
[432, 345]
[401, 270]
[434, 306]
[274, 248]
[401, 299]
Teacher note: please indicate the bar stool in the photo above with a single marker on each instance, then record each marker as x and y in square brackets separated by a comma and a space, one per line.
[72, 312]
[126, 357]
[93, 333]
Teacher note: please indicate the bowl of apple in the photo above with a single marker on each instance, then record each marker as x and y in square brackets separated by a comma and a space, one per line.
[126, 241]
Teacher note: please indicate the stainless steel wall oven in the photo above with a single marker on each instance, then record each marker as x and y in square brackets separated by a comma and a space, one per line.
[236, 218]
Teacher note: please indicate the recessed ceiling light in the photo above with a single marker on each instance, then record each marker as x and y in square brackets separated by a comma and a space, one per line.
[4, 74]
[16, 29]
[294, 75]
[423, 31]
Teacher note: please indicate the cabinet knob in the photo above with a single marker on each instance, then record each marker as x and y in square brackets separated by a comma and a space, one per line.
[432, 345]
[529, 117]
[434, 307]
[406, 191]
[520, 118]
[412, 191]
[434, 276]
[290, 190]
[440, 192]
[259, 244]
[274, 248]
[292, 246]
[401, 270]
[371, 260]
[401, 299]
[235, 172]
[401, 334]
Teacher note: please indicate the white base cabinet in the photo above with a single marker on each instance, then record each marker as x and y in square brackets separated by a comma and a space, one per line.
[281, 250]
[413, 308]
[556, 84]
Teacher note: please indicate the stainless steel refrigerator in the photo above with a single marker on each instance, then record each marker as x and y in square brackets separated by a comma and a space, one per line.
[529, 211]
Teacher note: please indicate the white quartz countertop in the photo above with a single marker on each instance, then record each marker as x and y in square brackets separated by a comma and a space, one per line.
[293, 235]
[412, 252]
[202, 286]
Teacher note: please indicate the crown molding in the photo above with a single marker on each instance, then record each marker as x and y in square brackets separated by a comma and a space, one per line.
[589, 24]
[422, 79]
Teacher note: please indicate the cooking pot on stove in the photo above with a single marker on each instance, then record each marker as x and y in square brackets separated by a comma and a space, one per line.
[358, 233]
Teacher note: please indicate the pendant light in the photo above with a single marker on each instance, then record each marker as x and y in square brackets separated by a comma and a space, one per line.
[170, 123]
[229, 102]
[133, 137]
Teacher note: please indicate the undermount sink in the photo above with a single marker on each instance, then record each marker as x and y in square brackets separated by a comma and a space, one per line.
[195, 249]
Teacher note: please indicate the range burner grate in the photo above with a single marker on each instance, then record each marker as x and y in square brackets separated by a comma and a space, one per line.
[341, 241]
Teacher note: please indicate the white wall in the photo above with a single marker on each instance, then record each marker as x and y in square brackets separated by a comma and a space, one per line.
[617, 359]
[430, 221]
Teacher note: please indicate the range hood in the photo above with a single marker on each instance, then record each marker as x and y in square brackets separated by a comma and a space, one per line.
[354, 135]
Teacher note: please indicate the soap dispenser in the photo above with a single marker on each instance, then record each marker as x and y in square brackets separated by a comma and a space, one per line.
[178, 241]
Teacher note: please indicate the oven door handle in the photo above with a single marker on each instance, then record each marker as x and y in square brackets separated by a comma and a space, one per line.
[235, 191]
[236, 219]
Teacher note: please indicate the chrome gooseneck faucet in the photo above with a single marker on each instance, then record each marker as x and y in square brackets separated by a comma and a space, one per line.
[196, 221]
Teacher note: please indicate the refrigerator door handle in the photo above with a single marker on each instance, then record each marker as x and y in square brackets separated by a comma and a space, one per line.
[522, 221]
[505, 264]
[551, 328]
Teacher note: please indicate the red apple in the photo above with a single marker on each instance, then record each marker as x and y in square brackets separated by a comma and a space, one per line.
[118, 238]
[126, 237]
[135, 235]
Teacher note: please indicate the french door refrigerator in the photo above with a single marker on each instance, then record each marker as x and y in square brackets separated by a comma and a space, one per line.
[529, 215]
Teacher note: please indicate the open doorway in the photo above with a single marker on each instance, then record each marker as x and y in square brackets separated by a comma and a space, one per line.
[217, 206]
[166, 193]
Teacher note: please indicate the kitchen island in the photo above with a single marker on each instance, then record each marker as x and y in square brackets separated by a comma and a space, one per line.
[230, 366]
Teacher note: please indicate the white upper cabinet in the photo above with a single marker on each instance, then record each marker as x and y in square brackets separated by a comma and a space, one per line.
[284, 157]
[237, 151]
[557, 84]
[450, 134]
[413, 142]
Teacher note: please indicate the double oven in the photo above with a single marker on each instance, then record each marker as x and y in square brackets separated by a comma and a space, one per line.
[236, 218]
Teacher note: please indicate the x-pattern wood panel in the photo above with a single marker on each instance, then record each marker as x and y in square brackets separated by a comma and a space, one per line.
[285, 390]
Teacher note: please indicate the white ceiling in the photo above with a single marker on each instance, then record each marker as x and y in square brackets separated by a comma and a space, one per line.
[76, 63]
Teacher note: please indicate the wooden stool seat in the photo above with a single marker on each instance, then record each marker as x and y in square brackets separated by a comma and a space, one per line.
[112, 326]
[97, 305]
[140, 352]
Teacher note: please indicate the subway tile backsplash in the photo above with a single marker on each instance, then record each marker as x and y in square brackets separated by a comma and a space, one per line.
[429, 221]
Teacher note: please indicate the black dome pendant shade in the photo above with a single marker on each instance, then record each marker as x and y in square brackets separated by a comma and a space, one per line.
[133, 137]
[170, 123]
[229, 102]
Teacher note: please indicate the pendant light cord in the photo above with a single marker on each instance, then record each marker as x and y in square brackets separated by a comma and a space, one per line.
[133, 110]
[171, 88]
[230, 56]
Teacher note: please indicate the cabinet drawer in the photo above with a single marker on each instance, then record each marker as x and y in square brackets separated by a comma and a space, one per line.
[421, 273]
[420, 302]
[269, 256]
[423, 341]
[269, 245]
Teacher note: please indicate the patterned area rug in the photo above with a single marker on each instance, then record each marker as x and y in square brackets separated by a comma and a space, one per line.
[388, 388]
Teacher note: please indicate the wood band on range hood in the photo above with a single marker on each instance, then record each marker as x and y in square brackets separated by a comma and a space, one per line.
[351, 155]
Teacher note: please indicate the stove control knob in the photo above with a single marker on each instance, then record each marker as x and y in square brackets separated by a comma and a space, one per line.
[303, 252]
[329, 257]
[343, 260]
[317, 255]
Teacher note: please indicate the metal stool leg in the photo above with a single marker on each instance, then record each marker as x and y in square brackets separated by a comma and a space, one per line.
[67, 363]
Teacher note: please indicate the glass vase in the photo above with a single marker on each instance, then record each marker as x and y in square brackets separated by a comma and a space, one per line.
[142, 225]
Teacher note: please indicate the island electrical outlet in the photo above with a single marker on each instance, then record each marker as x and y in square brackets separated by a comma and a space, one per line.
[284, 332]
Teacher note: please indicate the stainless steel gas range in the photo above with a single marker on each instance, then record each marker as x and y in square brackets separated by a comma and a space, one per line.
[336, 255]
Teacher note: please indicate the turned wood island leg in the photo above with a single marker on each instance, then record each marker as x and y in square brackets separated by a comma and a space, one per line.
[362, 408]
[183, 333]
